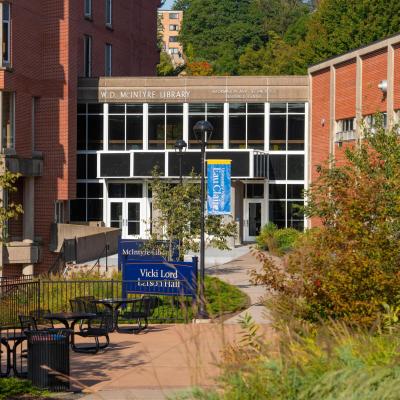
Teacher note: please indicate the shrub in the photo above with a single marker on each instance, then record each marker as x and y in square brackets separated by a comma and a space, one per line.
[330, 363]
[277, 241]
[349, 266]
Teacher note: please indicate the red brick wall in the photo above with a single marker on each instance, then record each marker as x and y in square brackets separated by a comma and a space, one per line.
[397, 77]
[374, 71]
[320, 113]
[345, 96]
[320, 125]
[47, 58]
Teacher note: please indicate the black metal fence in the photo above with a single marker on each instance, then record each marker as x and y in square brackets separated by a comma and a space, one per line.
[24, 297]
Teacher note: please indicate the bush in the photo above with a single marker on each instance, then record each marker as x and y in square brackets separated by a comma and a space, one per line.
[13, 388]
[277, 241]
[331, 363]
[350, 266]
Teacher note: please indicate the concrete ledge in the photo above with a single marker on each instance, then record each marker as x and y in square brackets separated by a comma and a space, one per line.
[25, 252]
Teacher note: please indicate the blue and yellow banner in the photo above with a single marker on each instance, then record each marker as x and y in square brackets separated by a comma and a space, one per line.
[219, 187]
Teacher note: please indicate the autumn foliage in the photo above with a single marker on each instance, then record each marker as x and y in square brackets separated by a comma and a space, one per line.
[350, 266]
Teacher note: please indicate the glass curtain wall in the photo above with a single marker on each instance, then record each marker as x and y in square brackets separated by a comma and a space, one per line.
[88, 205]
[286, 164]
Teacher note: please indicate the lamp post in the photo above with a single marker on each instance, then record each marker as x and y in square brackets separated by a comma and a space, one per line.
[203, 132]
[180, 146]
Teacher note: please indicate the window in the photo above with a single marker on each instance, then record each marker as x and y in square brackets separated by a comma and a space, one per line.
[8, 135]
[90, 127]
[6, 33]
[174, 50]
[173, 39]
[287, 125]
[108, 60]
[87, 56]
[59, 217]
[35, 101]
[88, 8]
[212, 112]
[173, 16]
[346, 125]
[254, 191]
[246, 125]
[109, 12]
[376, 119]
[125, 127]
[285, 205]
[173, 27]
[165, 125]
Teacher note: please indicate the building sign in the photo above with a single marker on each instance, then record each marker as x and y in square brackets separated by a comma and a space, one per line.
[219, 187]
[185, 94]
[164, 277]
[139, 250]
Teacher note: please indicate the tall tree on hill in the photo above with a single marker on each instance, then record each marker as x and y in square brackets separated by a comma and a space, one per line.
[218, 31]
[336, 27]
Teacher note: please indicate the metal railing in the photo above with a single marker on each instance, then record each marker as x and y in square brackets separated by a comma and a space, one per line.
[55, 295]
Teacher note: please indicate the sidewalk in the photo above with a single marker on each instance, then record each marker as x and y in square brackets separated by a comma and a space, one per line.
[236, 272]
[171, 359]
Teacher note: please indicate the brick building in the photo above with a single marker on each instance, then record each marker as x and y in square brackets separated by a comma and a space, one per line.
[170, 24]
[47, 45]
[84, 126]
[347, 90]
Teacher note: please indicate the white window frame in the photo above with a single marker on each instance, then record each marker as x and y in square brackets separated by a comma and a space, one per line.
[173, 41]
[174, 15]
[108, 13]
[12, 120]
[87, 56]
[108, 60]
[6, 60]
[88, 8]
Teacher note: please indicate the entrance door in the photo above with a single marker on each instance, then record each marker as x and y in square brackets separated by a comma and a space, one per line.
[253, 217]
[129, 216]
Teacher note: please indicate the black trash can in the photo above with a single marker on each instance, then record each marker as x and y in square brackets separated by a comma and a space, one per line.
[48, 359]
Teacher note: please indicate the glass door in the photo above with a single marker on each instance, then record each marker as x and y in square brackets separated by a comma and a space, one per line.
[253, 218]
[116, 214]
[129, 216]
[134, 221]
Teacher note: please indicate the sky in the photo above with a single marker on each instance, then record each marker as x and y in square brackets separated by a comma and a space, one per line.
[168, 5]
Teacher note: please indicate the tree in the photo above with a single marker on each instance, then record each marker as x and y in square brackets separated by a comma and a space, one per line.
[350, 267]
[181, 5]
[165, 67]
[9, 209]
[176, 216]
[199, 68]
[218, 31]
[338, 26]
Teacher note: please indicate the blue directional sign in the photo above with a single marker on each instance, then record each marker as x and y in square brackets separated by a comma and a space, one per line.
[147, 272]
[219, 187]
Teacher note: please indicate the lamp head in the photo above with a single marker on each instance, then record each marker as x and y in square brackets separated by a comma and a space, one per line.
[203, 129]
[180, 145]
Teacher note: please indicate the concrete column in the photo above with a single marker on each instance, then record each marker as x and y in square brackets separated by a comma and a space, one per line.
[390, 89]
[358, 96]
[332, 110]
[28, 218]
[29, 208]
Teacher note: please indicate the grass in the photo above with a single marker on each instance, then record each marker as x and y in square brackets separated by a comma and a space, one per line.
[223, 298]
[13, 388]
